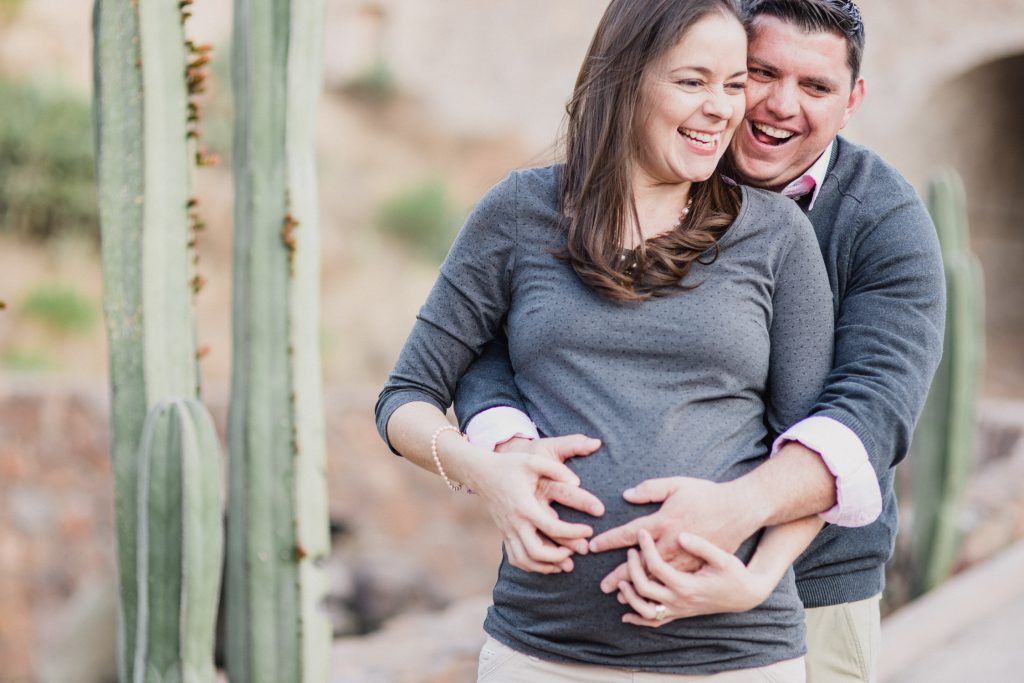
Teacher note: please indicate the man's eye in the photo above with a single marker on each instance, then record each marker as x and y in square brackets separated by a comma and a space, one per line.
[759, 73]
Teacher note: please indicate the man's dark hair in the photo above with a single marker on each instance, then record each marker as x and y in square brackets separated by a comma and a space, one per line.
[833, 16]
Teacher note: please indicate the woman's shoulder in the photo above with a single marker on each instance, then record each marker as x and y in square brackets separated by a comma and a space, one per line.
[773, 215]
[526, 187]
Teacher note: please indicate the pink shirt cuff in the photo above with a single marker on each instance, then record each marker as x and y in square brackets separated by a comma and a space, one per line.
[497, 425]
[858, 496]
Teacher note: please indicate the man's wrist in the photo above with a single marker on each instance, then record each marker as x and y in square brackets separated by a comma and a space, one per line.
[747, 498]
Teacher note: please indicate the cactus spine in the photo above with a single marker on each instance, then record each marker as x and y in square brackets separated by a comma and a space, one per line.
[277, 503]
[180, 544]
[944, 439]
[143, 157]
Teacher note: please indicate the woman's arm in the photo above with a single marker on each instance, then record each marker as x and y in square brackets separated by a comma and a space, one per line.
[509, 486]
[722, 584]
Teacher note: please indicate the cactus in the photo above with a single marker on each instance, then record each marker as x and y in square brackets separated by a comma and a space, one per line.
[143, 159]
[179, 544]
[943, 442]
[277, 497]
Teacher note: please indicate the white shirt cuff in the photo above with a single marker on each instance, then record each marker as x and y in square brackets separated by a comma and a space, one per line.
[858, 496]
[497, 425]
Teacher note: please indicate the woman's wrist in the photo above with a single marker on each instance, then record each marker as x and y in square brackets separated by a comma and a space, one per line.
[457, 457]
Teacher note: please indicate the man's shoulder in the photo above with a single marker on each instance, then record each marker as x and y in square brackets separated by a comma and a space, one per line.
[861, 174]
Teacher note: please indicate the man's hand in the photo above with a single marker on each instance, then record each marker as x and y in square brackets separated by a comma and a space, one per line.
[722, 584]
[548, 491]
[726, 514]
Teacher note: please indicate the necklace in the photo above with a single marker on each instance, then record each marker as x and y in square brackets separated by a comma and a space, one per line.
[631, 253]
[684, 213]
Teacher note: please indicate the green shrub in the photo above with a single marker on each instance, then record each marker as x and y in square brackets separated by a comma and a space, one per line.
[376, 85]
[423, 217]
[61, 308]
[47, 179]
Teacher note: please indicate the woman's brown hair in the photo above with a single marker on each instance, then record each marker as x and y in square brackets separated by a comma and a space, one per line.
[600, 149]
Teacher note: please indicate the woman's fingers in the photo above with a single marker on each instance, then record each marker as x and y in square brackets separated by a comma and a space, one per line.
[706, 550]
[520, 559]
[544, 466]
[565, 447]
[539, 549]
[643, 584]
[657, 567]
[644, 608]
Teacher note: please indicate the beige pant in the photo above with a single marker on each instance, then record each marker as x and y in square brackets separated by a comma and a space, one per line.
[843, 642]
[501, 664]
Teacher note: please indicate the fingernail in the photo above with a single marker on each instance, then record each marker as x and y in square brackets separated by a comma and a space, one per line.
[581, 547]
[629, 492]
[596, 511]
[593, 547]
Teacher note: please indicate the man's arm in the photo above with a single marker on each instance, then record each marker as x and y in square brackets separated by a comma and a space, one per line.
[888, 342]
[722, 584]
[487, 403]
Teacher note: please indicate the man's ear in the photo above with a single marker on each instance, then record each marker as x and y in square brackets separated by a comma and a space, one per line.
[853, 103]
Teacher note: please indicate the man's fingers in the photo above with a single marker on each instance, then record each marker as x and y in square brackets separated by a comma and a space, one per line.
[619, 537]
[651, 491]
[570, 446]
[706, 550]
[572, 497]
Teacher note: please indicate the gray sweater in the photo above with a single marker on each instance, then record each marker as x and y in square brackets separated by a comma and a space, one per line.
[885, 271]
[688, 384]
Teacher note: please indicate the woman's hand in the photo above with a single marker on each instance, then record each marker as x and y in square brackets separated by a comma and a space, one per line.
[722, 584]
[518, 488]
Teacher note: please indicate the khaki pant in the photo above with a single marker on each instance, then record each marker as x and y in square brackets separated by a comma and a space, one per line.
[501, 664]
[843, 642]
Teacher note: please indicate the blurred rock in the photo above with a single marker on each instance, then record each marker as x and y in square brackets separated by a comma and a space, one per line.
[427, 648]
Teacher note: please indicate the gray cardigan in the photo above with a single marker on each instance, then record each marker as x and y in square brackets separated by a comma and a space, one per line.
[885, 271]
[688, 384]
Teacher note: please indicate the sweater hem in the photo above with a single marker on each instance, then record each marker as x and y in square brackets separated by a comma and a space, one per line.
[828, 591]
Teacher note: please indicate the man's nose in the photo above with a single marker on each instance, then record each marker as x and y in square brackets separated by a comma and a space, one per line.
[783, 100]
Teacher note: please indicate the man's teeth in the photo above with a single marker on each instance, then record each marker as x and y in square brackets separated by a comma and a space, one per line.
[776, 133]
[705, 138]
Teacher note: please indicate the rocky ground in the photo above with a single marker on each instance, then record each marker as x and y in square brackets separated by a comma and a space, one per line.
[411, 566]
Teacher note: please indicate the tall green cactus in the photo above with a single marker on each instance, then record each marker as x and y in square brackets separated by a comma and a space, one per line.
[180, 544]
[278, 535]
[944, 440]
[143, 127]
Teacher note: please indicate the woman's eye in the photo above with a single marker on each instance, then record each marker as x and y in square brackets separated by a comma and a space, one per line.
[690, 83]
[735, 88]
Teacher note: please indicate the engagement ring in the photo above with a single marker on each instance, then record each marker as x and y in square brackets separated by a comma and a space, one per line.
[660, 613]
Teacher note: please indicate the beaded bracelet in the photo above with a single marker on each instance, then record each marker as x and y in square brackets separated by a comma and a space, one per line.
[452, 486]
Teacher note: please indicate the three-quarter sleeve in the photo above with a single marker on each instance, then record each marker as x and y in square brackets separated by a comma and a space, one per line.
[464, 310]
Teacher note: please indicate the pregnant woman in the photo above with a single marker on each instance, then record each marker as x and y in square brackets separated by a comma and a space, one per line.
[648, 301]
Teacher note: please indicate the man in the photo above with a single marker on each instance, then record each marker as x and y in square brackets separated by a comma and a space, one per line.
[884, 266]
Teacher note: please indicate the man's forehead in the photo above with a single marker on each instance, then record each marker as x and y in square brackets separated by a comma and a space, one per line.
[776, 41]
